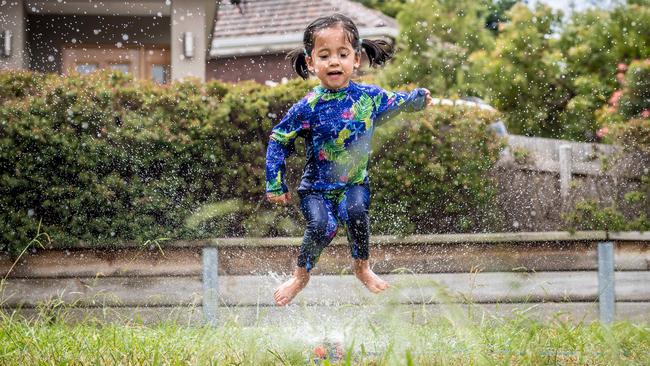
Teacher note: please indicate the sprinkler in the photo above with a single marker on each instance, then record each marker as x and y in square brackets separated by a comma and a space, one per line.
[328, 350]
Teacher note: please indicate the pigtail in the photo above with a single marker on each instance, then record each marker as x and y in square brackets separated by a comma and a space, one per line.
[298, 62]
[378, 51]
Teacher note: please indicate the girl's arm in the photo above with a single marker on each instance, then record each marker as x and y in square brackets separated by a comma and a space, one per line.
[280, 147]
[389, 104]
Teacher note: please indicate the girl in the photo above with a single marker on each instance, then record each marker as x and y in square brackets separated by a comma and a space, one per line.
[336, 119]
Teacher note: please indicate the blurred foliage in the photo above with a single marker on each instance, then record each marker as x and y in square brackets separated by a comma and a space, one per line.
[631, 210]
[594, 42]
[498, 14]
[432, 175]
[388, 7]
[435, 40]
[548, 74]
[524, 74]
[627, 124]
[104, 159]
[635, 96]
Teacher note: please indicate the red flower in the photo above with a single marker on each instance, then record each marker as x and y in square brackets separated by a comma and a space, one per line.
[347, 114]
[305, 125]
[343, 178]
[602, 132]
[645, 113]
[322, 155]
[616, 96]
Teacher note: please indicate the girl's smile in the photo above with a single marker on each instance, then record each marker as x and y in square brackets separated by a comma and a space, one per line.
[333, 59]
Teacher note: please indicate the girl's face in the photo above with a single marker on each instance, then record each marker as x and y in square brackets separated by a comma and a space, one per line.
[332, 59]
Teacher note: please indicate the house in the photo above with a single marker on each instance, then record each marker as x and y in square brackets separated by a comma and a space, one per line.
[166, 40]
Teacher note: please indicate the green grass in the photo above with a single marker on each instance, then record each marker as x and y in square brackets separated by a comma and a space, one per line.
[441, 340]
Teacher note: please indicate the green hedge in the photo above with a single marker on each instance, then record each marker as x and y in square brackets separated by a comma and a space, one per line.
[104, 159]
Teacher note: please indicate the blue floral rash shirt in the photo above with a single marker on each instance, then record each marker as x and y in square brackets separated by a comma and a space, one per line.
[337, 126]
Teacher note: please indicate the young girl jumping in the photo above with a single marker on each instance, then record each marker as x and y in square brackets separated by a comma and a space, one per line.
[336, 119]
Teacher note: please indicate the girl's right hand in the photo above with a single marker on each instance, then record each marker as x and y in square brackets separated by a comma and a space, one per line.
[283, 199]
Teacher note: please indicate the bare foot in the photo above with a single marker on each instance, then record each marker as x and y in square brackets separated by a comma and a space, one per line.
[368, 277]
[290, 288]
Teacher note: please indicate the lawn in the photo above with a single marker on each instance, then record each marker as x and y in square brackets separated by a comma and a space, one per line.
[449, 339]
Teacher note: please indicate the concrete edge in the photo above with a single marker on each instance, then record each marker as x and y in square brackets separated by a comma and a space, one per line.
[629, 236]
[523, 237]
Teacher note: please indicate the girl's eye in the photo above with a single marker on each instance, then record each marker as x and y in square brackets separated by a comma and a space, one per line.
[323, 57]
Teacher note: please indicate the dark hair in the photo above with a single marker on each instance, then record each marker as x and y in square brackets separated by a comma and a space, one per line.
[378, 51]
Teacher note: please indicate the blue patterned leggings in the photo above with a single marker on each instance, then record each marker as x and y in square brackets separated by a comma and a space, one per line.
[325, 211]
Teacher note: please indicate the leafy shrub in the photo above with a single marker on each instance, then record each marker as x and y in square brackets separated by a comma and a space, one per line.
[632, 210]
[104, 159]
[432, 176]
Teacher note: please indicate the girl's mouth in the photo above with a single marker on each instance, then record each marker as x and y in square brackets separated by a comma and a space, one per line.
[333, 73]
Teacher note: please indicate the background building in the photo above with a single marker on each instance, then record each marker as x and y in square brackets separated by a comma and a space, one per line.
[163, 40]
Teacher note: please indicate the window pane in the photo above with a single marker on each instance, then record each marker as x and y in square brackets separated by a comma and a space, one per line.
[86, 68]
[159, 73]
[125, 68]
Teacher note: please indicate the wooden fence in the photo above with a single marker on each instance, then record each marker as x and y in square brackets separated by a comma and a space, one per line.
[540, 274]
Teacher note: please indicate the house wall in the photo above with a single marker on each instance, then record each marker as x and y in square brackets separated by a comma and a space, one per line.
[48, 34]
[12, 18]
[258, 68]
[190, 16]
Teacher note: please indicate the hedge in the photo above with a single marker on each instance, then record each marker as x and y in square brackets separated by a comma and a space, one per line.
[104, 159]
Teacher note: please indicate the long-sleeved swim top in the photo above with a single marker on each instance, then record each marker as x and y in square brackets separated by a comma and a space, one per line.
[337, 126]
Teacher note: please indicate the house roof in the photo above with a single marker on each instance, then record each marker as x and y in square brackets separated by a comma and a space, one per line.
[272, 26]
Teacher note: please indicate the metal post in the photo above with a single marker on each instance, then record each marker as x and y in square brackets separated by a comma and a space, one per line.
[606, 294]
[565, 171]
[210, 285]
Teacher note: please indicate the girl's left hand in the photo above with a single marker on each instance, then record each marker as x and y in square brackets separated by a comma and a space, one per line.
[429, 100]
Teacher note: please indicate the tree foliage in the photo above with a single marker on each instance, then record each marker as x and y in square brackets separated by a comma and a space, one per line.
[524, 75]
[547, 73]
[436, 38]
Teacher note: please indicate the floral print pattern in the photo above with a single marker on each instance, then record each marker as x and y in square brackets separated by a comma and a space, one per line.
[337, 127]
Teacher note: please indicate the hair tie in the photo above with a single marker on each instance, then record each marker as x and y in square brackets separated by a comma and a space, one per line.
[304, 50]
[360, 41]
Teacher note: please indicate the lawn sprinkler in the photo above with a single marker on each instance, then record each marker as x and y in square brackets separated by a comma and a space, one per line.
[328, 350]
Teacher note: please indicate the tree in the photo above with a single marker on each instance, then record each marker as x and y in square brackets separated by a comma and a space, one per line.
[436, 38]
[594, 42]
[388, 7]
[497, 14]
[524, 75]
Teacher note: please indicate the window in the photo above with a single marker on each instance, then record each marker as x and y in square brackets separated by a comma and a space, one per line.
[125, 68]
[151, 63]
[86, 68]
[159, 74]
